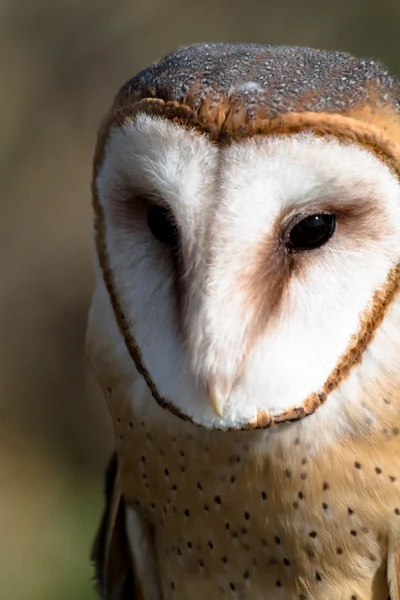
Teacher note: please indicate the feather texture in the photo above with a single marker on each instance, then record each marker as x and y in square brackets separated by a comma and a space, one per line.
[110, 554]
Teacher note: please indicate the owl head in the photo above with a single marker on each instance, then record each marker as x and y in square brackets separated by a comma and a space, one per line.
[247, 205]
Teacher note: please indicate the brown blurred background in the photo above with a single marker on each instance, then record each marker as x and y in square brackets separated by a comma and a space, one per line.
[61, 63]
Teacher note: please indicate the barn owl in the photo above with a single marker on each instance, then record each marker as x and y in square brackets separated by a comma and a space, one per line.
[245, 327]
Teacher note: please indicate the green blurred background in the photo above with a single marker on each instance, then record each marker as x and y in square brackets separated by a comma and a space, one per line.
[61, 63]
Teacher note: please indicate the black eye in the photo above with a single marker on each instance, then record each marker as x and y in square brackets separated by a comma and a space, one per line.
[312, 232]
[162, 225]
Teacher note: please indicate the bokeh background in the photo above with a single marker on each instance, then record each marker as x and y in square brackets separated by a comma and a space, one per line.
[61, 61]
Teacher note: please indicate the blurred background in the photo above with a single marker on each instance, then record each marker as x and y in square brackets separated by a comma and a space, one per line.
[61, 63]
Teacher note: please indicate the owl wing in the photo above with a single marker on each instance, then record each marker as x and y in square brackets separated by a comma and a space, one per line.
[393, 568]
[124, 553]
[111, 555]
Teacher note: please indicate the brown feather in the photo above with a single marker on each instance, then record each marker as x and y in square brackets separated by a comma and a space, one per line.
[111, 553]
[393, 570]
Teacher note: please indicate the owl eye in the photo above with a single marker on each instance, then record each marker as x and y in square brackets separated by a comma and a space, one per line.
[162, 225]
[312, 232]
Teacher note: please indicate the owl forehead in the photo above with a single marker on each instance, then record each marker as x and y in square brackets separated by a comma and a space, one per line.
[249, 180]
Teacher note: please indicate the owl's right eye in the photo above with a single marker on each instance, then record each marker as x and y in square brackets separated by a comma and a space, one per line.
[162, 225]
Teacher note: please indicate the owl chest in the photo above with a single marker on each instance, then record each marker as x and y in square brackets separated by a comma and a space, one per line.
[230, 521]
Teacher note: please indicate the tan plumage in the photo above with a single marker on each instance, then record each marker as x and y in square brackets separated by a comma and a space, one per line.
[306, 505]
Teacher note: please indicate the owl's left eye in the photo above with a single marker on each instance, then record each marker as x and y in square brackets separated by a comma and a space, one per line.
[311, 232]
[162, 225]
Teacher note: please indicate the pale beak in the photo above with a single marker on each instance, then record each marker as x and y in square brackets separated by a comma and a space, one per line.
[219, 390]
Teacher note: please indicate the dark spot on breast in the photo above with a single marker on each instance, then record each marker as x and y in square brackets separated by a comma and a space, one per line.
[313, 534]
[234, 459]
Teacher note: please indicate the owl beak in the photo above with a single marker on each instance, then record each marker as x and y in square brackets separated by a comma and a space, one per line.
[219, 390]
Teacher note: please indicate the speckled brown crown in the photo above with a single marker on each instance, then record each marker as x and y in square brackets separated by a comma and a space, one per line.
[234, 91]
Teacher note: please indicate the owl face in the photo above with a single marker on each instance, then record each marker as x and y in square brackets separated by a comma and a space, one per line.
[244, 271]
